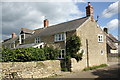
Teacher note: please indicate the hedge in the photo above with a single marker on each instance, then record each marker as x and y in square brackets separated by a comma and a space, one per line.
[29, 54]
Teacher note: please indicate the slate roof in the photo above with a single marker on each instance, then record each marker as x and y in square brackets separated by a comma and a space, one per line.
[25, 45]
[111, 44]
[11, 40]
[111, 40]
[59, 28]
[63, 27]
[25, 30]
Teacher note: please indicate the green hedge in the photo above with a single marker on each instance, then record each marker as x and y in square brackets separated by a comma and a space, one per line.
[29, 54]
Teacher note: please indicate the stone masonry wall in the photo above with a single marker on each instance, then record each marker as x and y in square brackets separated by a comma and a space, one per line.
[36, 69]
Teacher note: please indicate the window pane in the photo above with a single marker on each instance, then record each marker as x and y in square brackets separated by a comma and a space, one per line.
[62, 36]
[22, 36]
[59, 37]
[59, 55]
[62, 53]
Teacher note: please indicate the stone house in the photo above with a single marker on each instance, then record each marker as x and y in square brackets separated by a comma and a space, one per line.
[92, 37]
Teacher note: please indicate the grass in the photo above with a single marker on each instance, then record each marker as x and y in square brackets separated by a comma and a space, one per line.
[94, 67]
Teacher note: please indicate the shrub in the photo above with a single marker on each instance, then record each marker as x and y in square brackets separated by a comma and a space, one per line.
[51, 53]
[28, 54]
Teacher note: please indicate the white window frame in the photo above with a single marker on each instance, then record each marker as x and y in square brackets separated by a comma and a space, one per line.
[100, 38]
[37, 40]
[59, 37]
[20, 38]
[61, 54]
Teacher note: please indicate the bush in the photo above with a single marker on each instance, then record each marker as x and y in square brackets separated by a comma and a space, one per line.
[51, 53]
[28, 54]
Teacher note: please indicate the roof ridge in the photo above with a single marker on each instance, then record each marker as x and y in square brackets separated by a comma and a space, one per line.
[62, 23]
[67, 21]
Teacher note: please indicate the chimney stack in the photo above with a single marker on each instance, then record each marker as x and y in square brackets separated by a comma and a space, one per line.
[46, 23]
[105, 30]
[89, 11]
[14, 35]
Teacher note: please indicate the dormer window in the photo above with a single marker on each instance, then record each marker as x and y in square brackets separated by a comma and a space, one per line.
[21, 38]
[59, 37]
[37, 40]
[100, 38]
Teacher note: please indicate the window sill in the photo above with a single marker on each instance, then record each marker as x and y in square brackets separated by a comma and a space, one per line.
[61, 58]
[100, 42]
[59, 41]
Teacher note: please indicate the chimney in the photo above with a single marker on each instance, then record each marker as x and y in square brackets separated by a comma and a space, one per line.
[14, 35]
[89, 11]
[105, 30]
[46, 22]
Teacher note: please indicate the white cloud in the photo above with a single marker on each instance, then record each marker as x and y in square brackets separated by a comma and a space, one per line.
[111, 10]
[113, 24]
[31, 15]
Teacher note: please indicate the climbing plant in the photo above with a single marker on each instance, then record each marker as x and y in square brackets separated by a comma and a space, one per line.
[73, 45]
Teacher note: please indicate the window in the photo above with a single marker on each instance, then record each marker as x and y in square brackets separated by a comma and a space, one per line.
[21, 38]
[37, 40]
[59, 37]
[100, 38]
[61, 54]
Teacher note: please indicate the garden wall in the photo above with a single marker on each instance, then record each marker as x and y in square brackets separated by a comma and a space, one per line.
[38, 69]
[78, 66]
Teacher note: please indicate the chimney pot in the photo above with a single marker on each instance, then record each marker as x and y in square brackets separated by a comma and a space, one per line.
[88, 3]
[46, 23]
[14, 35]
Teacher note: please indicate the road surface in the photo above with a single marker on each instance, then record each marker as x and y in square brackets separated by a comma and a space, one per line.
[107, 72]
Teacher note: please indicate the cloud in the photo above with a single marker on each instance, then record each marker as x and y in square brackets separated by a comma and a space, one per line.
[111, 10]
[113, 24]
[16, 15]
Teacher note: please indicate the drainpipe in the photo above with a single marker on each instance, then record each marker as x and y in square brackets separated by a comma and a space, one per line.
[87, 53]
[65, 46]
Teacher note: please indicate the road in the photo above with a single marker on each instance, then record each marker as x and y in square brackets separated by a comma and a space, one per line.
[110, 71]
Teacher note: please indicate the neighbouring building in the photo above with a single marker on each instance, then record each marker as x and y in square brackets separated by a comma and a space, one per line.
[111, 43]
[92, 37]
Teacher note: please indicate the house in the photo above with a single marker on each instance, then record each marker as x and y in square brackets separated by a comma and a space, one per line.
[111, 43]
[92, 37]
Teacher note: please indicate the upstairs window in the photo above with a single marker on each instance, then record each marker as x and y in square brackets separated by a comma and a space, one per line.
[37, 40]
[100, 38]
[21, 38]
[59, 37]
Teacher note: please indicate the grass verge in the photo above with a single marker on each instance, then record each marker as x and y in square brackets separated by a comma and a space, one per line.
[94, 67]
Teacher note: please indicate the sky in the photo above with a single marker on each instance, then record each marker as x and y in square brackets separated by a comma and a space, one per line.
[17, 15]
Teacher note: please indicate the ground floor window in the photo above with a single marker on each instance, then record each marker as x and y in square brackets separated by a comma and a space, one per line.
[61, 54]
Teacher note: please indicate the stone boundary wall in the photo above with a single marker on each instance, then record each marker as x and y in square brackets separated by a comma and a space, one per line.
[78, 66]
[113, 59]
[38, 69]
